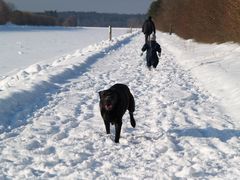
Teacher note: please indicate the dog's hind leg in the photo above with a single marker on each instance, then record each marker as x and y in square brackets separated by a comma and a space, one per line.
[131, 109]
[118, 127]
[132, 120]
[131, 106]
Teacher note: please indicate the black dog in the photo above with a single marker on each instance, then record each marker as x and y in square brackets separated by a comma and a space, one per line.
[113, 104]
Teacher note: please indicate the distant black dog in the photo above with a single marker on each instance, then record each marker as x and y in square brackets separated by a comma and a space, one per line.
[113, 104]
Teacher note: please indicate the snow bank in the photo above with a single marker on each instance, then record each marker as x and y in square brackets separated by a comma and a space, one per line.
[217, 66]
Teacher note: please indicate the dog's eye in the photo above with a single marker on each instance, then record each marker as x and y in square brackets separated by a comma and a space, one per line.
[102, 93]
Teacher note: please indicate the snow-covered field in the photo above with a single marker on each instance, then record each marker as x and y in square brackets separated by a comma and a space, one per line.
[22, 46]
[187, 124]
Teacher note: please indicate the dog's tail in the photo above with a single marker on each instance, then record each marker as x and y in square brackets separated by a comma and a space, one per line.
[132, 120]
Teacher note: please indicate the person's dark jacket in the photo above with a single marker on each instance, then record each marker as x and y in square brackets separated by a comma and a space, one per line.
[152, 49]
[148, 27]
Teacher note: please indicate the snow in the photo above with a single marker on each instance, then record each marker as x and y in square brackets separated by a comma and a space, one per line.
[215, 66]
[186, 125]
[49, 44]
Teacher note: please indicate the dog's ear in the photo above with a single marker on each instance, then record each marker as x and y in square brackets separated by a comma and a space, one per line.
[101, 94]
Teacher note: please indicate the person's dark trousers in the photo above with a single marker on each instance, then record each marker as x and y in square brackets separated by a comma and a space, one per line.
[155, 63]
[147, 38]
[149, 63]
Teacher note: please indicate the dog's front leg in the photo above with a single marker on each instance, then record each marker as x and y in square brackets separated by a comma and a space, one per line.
[107, 126]
[118, 127]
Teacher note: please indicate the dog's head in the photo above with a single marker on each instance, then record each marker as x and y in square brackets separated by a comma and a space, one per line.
[108, 99]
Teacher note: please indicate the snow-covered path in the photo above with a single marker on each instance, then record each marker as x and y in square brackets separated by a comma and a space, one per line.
[181, 131]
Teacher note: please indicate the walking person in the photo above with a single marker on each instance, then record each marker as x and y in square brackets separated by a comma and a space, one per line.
[153, 51]
[148, 28]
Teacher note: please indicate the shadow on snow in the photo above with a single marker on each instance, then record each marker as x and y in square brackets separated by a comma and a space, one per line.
[223, 135]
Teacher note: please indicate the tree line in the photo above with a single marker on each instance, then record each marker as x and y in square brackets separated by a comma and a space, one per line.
[202, 20]
[54, 18]
[92, 19]
[9, 14]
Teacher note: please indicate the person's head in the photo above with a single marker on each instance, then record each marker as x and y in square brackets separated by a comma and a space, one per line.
[149, 17]
[153, 37]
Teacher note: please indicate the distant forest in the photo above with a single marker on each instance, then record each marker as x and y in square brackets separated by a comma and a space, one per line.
[8, 14]
[92, 19]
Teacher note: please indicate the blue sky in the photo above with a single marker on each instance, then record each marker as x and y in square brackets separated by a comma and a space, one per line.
[108, 6]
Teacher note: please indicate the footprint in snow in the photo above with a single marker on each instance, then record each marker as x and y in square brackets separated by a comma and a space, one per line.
[33, 145]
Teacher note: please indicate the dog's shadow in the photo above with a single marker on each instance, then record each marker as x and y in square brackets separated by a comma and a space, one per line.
[223, 135]
[130, 136]
[133, 136]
